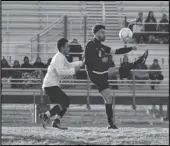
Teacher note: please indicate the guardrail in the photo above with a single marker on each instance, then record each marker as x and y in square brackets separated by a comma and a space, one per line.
[88, 83]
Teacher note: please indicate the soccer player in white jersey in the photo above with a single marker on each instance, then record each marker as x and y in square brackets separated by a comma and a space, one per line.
[58, 67]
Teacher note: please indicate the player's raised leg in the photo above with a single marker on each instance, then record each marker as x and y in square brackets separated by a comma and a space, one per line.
[122, 71]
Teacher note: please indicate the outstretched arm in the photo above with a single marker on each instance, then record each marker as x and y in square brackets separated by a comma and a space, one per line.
[120, 50]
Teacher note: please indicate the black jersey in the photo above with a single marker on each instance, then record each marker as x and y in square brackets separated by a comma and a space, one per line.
[94, 53]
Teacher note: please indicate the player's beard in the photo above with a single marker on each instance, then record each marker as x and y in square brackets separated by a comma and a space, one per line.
[102, 38]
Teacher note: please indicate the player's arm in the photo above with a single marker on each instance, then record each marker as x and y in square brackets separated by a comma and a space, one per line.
[75, 64]
[91, 58]
[62, 70]
[120, 50]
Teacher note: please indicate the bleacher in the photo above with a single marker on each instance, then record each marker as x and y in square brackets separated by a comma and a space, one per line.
[25, 19]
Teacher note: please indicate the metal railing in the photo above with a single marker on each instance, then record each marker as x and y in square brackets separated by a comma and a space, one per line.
[87, 84]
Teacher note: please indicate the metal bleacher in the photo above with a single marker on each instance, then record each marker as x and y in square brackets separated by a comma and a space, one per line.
[21, 20]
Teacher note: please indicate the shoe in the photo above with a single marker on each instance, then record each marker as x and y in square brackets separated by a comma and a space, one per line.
[44, 119]
[57, 124]
[112, 126]
[142, 58]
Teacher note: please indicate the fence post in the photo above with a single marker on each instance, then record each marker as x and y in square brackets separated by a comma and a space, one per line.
[85, 29]
[38, 45]
[88, 94]
[41, 107]
[65, 27]
[34, 108]
[134, 99]
[113, 106]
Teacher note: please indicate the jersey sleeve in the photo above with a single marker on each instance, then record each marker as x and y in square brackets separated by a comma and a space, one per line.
[75, 64]
[61, 69]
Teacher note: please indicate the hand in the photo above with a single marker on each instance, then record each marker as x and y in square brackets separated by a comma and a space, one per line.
[105, 59]
[77, 69]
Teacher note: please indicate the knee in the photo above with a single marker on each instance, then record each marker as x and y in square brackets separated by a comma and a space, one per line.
[108, 100]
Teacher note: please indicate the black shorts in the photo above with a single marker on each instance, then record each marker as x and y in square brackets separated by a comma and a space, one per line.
[100, 80]
[56, 95]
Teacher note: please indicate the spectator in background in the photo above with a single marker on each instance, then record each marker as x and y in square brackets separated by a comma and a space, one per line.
[141, 75]
[46, 65]
[37, 73]
[112, 64]
[149, 26]
[126, 23]
[26, 74]
[16, 74]
[38, 63]
[164, 28]
[138, 27]
[5, 73]
[75, 46]
[155, 75]
[26, 64]
[126, 61]
[48, 62]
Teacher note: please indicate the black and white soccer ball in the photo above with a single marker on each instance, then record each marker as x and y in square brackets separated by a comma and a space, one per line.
[125, 35]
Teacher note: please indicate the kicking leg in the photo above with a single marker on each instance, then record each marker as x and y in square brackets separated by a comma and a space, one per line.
[122, 71]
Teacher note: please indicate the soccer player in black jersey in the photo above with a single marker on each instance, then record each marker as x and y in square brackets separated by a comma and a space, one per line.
[96, 59]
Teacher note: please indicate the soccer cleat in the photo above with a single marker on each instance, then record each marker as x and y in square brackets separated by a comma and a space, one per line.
[112, 126]
[57, 124]
[44, 119]
[142, 58]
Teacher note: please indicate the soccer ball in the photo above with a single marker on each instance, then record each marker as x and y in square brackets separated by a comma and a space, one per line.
[125, 35]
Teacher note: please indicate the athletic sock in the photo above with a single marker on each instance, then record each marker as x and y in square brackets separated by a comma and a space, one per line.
[55, 110]
[62, 113]
[109, 112]
[48, 114]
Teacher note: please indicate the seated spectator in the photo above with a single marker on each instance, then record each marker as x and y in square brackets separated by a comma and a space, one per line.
[16, 74]
[75, 46]
[149, 26]
[112, 64]
[125, 61]
[164, 28]
[26, 64]
[26, 74]
[126, 23]
[138, 27]
[5, 73]
[155, 75]
[48, 62]
[37, 73]
[46, 65]
[141, 75]
[38, 63]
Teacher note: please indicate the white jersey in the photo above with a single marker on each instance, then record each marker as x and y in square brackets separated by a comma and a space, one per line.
[59, 67]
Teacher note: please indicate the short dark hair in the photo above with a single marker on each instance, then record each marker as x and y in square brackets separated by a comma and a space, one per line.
[155, 60]
[61, 43]
[97, 27]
